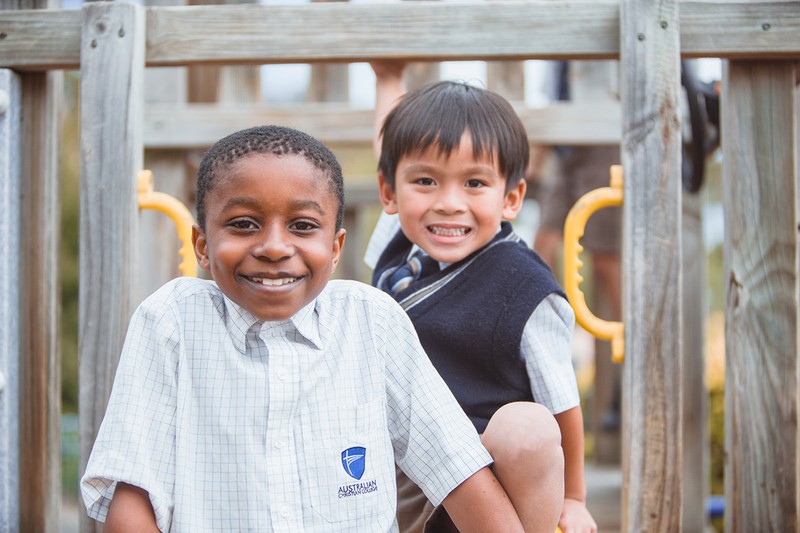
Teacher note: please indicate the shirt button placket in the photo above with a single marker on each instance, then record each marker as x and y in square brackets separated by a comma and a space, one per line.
[282, 465]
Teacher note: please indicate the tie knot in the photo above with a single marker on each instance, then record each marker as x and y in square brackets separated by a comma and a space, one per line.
[419, 265]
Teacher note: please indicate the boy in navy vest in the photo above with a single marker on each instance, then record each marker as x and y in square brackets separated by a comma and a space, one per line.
[489, 312]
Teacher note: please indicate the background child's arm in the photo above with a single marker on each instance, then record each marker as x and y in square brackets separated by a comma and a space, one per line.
[389, 87]
[480, 504]
[575, 517]
[130, 511]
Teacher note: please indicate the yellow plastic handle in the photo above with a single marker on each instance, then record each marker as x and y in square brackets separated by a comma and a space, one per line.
[180, 215]
[573, 231]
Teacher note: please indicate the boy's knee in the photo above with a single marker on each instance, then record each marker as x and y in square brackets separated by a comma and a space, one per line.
[522, 429]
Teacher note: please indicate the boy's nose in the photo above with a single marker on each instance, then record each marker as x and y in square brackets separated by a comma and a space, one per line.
[449, 201]
[273, 246]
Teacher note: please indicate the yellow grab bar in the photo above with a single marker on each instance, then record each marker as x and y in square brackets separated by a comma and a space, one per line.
[180, 215]
[573, 231]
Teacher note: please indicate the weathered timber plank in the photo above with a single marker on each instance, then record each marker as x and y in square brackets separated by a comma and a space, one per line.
[430, 31]
[695, 403]
[198, 126]
[652, 267]
[40, 317]
[761, 315]
[39, 465]
[9, 298]
[112, 102]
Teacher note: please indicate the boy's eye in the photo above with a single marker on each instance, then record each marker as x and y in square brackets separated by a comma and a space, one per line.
[242, 223]
[425, 181]
[303, 226]
[473, 184]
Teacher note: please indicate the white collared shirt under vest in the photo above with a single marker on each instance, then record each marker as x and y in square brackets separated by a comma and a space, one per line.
[231, 424]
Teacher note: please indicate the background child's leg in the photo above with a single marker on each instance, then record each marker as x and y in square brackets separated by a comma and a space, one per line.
[525, 443]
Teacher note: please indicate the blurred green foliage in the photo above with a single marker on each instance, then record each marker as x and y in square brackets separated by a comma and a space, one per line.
[70, 192]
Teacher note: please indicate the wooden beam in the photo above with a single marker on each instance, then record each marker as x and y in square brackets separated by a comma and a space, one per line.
[427, 31]
[695, 477]
[199, 126]
[39, 470]
[112, 102]
[10, 341]
[40, 311]
[761, 316]
[652, 266]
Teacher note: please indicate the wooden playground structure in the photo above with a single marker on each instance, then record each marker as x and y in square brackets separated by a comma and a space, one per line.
[132, 119]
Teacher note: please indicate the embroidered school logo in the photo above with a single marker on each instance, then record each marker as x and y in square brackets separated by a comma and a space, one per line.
[353, 461]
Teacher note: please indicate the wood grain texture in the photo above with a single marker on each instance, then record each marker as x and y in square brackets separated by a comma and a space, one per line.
[40, 316]
[761, 316]
[9, 301]
[112, 102]
[429, 31]
[652, 267]
[39, 385]
[198, 126]
[695, 398]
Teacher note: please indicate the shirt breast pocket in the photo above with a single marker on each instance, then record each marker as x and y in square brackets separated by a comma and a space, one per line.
[348, 463]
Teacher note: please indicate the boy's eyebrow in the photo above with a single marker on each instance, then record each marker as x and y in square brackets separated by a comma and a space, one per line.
[308, 204]
[422, 166]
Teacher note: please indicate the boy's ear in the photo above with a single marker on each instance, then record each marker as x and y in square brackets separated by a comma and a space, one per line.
[200, 247]
[338, 244]
[513, 201]
[386, 191]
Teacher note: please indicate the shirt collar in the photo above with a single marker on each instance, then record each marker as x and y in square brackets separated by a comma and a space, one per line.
[240, 321]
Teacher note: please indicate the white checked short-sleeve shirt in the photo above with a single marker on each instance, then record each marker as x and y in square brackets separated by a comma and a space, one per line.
[231, 424]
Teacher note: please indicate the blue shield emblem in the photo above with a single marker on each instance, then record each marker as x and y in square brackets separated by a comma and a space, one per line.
[353, 460]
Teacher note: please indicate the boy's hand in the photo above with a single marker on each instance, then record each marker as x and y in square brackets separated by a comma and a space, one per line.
[388, 70]
[389, 87]
[575, 518]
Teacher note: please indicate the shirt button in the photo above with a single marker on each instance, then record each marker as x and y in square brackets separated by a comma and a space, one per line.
[282, 375]
[278, 444]
[284, 513]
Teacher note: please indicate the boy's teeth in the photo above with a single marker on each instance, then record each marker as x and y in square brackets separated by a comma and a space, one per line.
[455, 232]
[274, 282]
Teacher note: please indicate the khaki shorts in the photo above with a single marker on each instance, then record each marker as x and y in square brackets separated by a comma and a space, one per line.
[583, 169]
[415, 514]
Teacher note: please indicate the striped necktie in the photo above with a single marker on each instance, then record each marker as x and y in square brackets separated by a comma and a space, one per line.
[420, 265]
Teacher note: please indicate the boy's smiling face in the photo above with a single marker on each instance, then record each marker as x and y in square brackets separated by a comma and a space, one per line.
[270, 240]
[450, 206]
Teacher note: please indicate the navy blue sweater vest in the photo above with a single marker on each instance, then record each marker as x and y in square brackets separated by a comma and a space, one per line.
[471, 326]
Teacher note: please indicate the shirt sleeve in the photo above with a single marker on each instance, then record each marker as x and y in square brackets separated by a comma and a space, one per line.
[547, 349]
[434, 442]
[135, 443]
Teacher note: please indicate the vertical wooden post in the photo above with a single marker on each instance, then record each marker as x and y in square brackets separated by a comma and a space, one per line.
[39, 486]
[761, 315]
[507, 78]
[9, 299]
[40, 311]
[112, 101]
[652, 262]
[695, 403]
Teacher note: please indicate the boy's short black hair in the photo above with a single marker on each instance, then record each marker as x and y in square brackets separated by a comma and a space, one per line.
[437, 115]
[274, 140]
